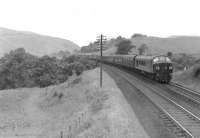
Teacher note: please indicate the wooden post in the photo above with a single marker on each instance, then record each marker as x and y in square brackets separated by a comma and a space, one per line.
[61, 134]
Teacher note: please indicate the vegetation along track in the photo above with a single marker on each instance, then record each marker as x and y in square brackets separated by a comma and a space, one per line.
[176, 117]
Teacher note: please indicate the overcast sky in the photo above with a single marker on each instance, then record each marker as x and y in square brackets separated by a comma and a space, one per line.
[82, 20]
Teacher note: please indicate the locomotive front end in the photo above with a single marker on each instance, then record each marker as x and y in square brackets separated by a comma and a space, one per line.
[162, 68]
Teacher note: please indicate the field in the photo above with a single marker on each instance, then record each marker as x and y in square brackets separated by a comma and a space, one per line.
[76, 108]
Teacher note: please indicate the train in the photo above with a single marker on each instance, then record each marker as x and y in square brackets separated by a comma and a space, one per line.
[157, 67]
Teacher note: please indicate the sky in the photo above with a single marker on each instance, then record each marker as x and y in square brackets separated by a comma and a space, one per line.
[81, 21]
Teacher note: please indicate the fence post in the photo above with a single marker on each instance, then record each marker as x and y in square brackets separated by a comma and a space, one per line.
[79, 121]
[61, 134]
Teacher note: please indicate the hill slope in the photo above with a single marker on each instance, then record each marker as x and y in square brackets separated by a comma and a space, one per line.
[178, 44]
[156, 45]
[33, 43]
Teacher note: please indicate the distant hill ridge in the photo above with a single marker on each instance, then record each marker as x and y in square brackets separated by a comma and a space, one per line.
[156, 45]
[175, 44]
[36, 44]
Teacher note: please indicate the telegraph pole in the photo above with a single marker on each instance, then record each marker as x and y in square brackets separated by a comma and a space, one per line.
[101, 45]
[101, 39]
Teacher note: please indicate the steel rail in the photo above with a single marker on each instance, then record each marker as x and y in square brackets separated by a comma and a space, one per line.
[195, 95]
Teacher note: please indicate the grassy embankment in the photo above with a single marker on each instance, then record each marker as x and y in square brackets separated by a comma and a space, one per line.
[77, 107]
[189, 78]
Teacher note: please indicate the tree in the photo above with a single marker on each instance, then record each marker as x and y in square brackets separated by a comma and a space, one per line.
[183, 60]
[138, 35]
[169, 54]
[142, 49]
[119, 38]
[124, 46]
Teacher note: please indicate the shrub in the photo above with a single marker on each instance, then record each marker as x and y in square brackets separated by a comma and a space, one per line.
[138, 35]
[183, 60]
[196, 71]
[142, 49]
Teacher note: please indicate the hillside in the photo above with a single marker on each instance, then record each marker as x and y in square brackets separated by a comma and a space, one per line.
[156, 45]
[109, 47]
[177, 44]
[60, 54]
[33, 43]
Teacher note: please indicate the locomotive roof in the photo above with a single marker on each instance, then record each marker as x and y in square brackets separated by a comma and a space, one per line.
[150, 57]
[155, 59]
[120, 55]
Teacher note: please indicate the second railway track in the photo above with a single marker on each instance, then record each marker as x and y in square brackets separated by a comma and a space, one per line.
[194, 95]
[181, 121]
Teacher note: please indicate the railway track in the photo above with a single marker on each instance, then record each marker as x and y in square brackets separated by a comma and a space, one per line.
[182, 122]
[194, 95]
[188, 98]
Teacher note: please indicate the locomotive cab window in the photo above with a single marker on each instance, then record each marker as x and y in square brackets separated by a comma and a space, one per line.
[161, 59]
[142, 63]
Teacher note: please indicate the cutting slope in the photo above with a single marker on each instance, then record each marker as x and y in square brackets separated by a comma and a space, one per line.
[33, 43]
